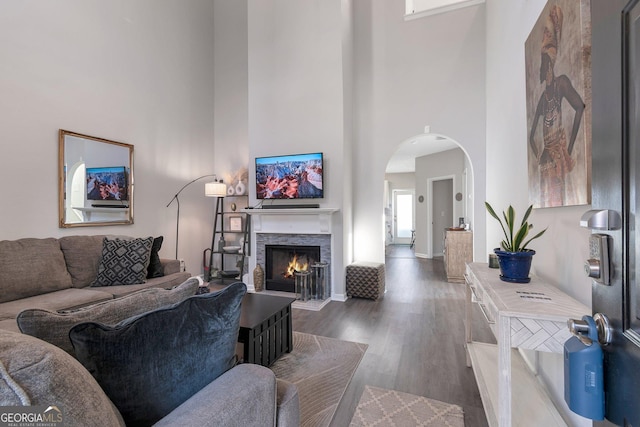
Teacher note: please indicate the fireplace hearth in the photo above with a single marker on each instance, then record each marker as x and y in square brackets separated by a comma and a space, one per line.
[281, 261]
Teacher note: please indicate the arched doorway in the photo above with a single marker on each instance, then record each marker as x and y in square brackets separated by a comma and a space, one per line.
[439, 172]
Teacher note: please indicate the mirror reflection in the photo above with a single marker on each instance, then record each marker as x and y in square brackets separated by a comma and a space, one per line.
[95, 181]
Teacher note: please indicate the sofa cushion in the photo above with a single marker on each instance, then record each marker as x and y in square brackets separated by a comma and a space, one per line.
[150, 364]
[60, 300]
[33, 372]
[9, 325]
[31, 267]
[155, 268]
[165, 282]
[124, 262]
[54, 327]
[82, 255]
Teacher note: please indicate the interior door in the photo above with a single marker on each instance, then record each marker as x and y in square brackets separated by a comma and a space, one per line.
[616, 186]
[442, 195]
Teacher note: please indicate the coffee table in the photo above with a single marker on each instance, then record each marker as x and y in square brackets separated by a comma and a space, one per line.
[265, 328]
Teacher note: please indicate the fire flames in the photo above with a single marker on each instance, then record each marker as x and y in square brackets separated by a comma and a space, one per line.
[296, 265]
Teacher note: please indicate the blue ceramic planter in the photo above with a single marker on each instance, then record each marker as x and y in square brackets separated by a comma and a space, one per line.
[515, 266]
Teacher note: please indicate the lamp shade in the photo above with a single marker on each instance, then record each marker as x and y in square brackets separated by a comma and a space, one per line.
[215, 189]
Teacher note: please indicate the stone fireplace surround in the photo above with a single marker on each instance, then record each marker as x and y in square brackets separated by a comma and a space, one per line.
[321, 240]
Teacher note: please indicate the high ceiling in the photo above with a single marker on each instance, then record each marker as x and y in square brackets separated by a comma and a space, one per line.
[403, 160]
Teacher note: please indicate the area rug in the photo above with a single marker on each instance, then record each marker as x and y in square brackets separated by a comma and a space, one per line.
[390, 408]
[322, 369]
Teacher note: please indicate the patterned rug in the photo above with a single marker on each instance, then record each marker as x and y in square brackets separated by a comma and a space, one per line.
[390, 408]
[322, 369]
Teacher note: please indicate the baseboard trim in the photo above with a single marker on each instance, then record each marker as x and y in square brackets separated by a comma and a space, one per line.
[339, 297]
[419, 255]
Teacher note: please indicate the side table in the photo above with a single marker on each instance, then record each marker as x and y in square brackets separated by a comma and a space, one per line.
[265, 328]
[521, 316]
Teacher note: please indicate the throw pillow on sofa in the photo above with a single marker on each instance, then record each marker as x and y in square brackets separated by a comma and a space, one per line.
[33, 372]
[155, 266]
[150, 364]
[54, 327]
[124, 262]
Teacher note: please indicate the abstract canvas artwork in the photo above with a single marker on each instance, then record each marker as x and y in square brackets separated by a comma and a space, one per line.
[558, 92]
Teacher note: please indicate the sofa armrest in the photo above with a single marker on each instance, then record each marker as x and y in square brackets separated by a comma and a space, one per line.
[244, 396]
[170, 266]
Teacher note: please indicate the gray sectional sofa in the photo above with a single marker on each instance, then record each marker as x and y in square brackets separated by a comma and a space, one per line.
[56, 274]
[45, 284]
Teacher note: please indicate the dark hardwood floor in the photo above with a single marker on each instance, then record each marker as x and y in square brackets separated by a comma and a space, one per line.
[415, 335]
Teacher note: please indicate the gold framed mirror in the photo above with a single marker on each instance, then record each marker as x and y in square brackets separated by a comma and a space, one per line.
[95, 181]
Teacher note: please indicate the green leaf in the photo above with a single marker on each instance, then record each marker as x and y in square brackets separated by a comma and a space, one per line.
[526, 215]
[493, 214]
[491, 211]
[520, 236]
[510, 216]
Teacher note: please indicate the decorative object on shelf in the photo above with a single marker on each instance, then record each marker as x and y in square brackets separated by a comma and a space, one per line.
[258, 278]
[231, 191]
[211, 189]
[235, 223]
[232, 249]
[238, 180]
[240, 188]
[515, 259]
[221, 244]
[493, 261]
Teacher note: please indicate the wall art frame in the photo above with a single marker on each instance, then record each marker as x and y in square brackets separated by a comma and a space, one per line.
[558, 105]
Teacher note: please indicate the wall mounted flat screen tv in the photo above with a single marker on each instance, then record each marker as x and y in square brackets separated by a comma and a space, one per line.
[297, 176]
[107, 183]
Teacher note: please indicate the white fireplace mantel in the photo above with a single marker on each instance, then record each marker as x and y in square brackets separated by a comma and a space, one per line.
[294, 221]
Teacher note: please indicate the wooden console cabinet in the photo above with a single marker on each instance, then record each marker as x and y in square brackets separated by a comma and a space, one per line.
[458, 251]
[529, 316]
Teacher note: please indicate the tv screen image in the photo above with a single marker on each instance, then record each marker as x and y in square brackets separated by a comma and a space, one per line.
[297, 176]
[107, 183]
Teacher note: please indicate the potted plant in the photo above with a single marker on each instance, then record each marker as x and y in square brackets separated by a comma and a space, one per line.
[513, 256]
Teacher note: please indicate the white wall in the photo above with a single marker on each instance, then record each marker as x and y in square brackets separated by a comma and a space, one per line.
[230, 86]
[561, 251]
[299, 97]
[427, 71]
[445, 164]
[400, 181]
[136, 72]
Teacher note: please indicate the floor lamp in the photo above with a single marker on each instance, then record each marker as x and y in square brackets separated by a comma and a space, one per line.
[216, 189]
[178, 202]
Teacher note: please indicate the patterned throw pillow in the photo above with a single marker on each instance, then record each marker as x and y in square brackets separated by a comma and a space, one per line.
[124, 262]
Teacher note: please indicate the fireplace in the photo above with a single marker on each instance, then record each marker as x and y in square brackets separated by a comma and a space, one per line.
[281, 261]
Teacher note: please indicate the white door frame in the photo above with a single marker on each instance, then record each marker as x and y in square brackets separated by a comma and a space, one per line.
[412, 192]
[430, 182]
